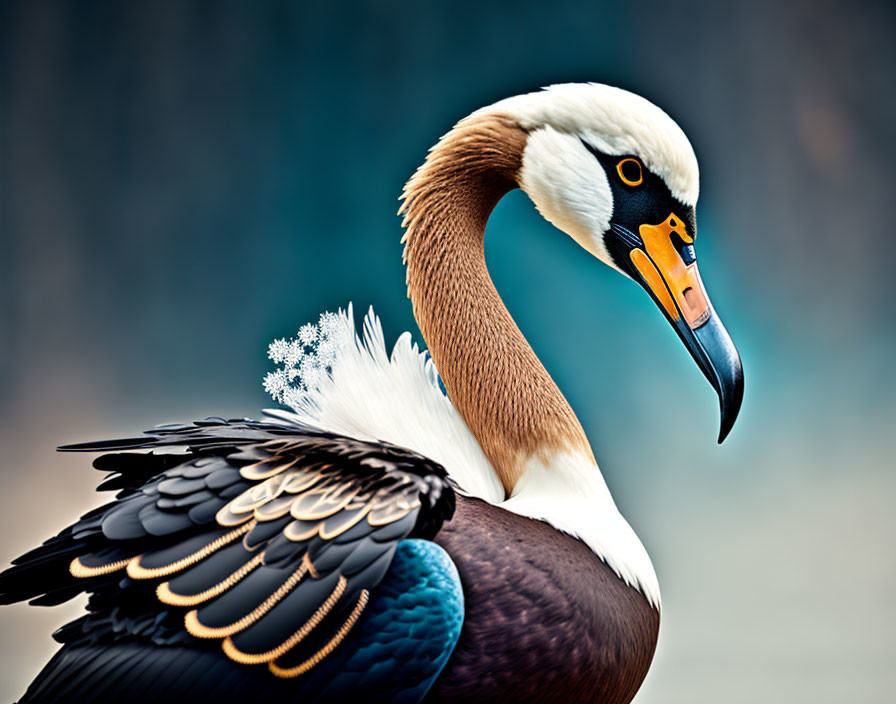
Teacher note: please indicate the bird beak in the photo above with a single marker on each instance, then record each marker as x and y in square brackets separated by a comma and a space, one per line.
[669, 274]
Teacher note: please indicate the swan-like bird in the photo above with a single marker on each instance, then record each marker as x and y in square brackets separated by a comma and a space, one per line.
[403, 533]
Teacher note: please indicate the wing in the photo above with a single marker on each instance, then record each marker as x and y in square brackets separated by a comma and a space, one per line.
[263, 537]
[394, 653]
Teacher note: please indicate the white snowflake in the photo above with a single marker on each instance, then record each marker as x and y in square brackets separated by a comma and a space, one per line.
[308, 334]
[328, 324]
[278, 350]
[304, 360]
[294, 353]
[275, 383]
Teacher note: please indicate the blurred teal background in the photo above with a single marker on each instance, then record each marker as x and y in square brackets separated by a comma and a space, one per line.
[182, 182]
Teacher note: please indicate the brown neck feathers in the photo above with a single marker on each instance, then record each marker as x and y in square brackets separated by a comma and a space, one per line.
[493, 377]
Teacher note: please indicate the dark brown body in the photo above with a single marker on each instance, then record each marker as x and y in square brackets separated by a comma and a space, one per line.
[546, 619]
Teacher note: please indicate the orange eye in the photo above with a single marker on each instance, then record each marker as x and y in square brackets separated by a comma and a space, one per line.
[629, 171]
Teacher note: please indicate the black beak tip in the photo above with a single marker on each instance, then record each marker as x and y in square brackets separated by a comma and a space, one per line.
[731, 395]
[725, 428]
[720, 362]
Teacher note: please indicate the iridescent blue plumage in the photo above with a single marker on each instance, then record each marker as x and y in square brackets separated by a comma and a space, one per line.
[407, 633]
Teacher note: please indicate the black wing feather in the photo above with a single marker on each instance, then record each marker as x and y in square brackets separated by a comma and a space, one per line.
[262, 537]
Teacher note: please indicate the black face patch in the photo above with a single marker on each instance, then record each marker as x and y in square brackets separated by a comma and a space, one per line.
[648, 203]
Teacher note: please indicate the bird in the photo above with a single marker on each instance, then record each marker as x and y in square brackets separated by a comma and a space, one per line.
[426, 524]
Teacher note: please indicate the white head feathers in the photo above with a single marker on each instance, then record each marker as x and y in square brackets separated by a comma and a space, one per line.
[614, 121]
[565, 181]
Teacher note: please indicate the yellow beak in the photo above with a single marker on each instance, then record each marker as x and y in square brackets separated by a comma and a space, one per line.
[666, 266]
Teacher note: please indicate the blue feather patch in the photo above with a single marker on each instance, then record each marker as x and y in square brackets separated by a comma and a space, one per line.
[405, 637]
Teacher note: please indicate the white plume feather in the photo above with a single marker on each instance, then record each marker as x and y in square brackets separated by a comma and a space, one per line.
[338, 381]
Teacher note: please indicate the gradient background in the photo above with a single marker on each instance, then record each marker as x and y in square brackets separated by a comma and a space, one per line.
[182, 182]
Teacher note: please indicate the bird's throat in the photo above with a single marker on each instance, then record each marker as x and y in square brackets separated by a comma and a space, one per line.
[492, 375]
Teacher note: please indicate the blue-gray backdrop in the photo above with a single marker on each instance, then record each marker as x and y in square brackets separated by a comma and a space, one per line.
[183, 181]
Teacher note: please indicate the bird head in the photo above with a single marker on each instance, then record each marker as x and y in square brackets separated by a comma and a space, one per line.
[618, 175]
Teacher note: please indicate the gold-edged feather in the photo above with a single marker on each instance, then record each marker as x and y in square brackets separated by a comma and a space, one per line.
[195, 627]
[137, 571]
[302, 668]
[172, 598]
[237, 655]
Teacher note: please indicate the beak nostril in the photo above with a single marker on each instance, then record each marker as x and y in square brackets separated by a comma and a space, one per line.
[690, 297]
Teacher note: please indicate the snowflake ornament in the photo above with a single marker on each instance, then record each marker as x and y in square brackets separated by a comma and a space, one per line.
[304, 360]
[308, 334]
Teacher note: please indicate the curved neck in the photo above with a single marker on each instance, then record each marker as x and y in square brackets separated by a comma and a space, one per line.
[492, 375]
